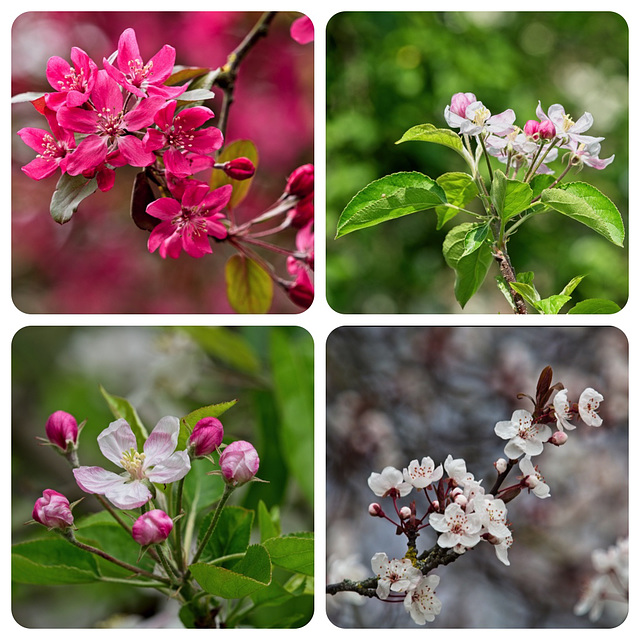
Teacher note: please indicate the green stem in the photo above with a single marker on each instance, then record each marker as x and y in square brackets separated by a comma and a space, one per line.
[179, 554]
[228, 489]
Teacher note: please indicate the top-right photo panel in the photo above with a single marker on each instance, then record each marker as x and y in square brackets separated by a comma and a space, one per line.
[477, 162]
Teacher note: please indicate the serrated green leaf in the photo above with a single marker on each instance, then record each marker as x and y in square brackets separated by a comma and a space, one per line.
[249, 286]
[471, 270]
[122, 408]
[52, 561]
[189, 421]
[250, 574]
[391, 197]
[595, 305]
[527, 291]
[509, 197]
[474, 239]
[430, 133]
[231, 535]
[460, 190]
[573, 283]
[268, 522]
[552, 304]
[69, 193]
[584, 203]
[293, 552]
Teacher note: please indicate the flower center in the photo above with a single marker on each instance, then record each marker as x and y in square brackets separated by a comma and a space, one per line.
[73, 80]
[138, 72]
[480, 115]
[133, 462]
[567, 122]
[110, 123]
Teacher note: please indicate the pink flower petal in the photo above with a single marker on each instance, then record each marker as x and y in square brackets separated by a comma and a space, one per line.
[96, 479]
[302, 30]
[128, 495]
[115, 440]
[162, 441]
[174, 468]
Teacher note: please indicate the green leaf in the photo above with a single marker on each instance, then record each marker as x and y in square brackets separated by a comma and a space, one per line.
[292, 369]
[268, 522]
[250, 574]
[527, 291]
[189, 421]
[509, 197]
[430, 133]
[460, 190]
[540, 182]
[231, 535]
[227, 345]
[552, 304]
[573, 283]
[237, 149]
[472, 269]
[70, 192]
[584, 203]
[391, 197]
[121, 408]
[201, 490]
[474, 239]
[595, 305]
[52, 561]
[292, 552]
[249, 286]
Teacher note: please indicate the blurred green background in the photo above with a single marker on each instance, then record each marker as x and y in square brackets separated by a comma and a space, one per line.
[160, 371]
[389, 71]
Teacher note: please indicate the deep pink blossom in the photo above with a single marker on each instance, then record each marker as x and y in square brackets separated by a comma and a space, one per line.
[187, 223]
[53, 148]
[139, 78]
[108, 127]
[302, 30]
[239, 168]
[152, 527]
[301, 292]
[179, 134]
[53, 510]
[206, 436]
[304, 251]
[62, 429]
[73, 85]
[300, 182]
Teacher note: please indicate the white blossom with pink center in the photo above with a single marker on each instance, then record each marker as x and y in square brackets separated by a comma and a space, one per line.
[389, 483]
[533, 478]
[423, 474]
[456, 527]
[394, 575]
[525, 436]
[562, 407]
[588, 404]
[159, 463]
[421, 602]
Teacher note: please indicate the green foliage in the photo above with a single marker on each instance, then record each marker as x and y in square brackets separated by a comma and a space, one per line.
[249, 286]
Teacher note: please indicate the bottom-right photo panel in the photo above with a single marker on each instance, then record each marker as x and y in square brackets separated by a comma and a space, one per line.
[477, 477]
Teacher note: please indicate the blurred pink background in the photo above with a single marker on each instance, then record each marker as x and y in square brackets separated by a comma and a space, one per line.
[98, 262]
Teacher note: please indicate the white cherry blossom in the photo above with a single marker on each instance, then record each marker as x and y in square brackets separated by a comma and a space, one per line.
[456, 527]
[389, 483]
[533, 478]
[525, 436]
[588, 404]
[421, 602]
[394, 575]
[423, 474]
[562, 408]
[493, 515]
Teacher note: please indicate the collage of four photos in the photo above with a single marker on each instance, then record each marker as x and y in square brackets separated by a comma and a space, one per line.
[207, 432]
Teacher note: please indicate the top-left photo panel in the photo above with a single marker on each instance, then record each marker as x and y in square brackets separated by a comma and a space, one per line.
[162, 162]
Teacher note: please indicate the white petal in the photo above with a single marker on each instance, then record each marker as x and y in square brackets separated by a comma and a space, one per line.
[162, 441]
[128, 495]
[174, 468]
[115, 440]
[96, 479]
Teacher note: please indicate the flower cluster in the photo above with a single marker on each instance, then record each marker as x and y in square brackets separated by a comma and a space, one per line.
[132, 112]
[460, 509]
[533, 146]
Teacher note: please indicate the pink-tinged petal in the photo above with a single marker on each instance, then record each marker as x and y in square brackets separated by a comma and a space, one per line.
[193, 117]
[302, 30]
[127, 49]
[128, 495]
[106, 178]
[143, 115]
[160, 234]
[174, 468]
[134, 151]
[172, 247]
[162, 441]
[89, 154]
[196, 243]
[96, 479]
[162, 64]
[116, 439]
[34, 138]
[217, 199]
[164, 208]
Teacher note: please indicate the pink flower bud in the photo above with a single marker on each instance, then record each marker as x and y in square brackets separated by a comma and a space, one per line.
[532, 129]
[300, 182]
[547, 130]
[152, 527]
[376, 510]
[62, 429]
[301, 291]
[302, 213]
[461, 500]
[435, 505]
[405, 513]
[206, 436]
[558, 438]
[460, 102]
[239, 168]
[239, 462]
[52, 510]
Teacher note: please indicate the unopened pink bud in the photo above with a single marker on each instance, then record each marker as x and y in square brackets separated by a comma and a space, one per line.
[300, 182]
[460, 102]
[405, 513]
[558, 438]
[501, 465]
[52, 510]
[239, 168]
[532, 129]
[62, 429]
[376, 510]
[303, 212]
[461, 500]
[206, 436]
[239, 462]
[152, 527]
[547, 130]
[301, 291]
[435, 505]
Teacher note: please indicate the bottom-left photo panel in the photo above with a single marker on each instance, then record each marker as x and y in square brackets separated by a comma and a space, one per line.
[162, 477]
